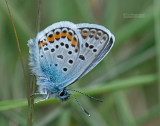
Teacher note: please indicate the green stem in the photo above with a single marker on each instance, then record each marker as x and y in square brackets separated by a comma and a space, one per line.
[31, 102]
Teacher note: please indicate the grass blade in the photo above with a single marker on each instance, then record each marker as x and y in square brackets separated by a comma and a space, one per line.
[124, 109]
[111, 86]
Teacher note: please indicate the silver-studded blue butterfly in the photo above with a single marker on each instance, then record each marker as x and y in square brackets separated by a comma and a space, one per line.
[64, 52]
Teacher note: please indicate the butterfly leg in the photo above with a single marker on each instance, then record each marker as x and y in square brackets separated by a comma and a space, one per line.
[35, 94]
[47, 96]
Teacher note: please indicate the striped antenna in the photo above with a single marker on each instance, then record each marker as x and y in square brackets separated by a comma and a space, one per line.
[86, 95]
[81, 106]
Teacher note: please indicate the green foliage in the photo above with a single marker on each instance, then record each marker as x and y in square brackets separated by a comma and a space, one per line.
[128, 79]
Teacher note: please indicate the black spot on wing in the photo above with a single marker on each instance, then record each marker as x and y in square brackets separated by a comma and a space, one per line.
[82, 57]
[45, 49]
[94, 50]
[67, 46]
[69, 52]
[86, 44]
[52, 50]
[60, 56]
[57, 46]
[62, 44]
[70, 61]
[65, 69]
[91, 46]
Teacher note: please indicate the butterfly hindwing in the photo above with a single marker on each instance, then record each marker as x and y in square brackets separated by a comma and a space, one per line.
[96, 43]
[98, 36]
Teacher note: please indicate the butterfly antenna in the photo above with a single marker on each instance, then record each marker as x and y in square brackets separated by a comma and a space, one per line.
[81, 106]
[86, 95]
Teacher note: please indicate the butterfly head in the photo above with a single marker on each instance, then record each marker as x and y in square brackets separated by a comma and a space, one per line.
[63, 94]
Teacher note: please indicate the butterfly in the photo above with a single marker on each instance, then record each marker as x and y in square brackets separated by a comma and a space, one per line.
[64, 52]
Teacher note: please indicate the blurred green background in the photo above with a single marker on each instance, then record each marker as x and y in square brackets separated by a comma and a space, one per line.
[128, 79]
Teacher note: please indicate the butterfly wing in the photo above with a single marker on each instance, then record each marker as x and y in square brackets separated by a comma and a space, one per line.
[54, 51]
[65, 52]
[96, 43]
[97, 35]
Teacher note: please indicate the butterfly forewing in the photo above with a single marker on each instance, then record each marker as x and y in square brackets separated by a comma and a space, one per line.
[58, 48]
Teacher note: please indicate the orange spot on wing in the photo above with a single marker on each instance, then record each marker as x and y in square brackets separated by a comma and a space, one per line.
[42, 44]
[63, 34]
[84, 34]
[69, 36]
[50, 39]
[74, 42]
[57, 36]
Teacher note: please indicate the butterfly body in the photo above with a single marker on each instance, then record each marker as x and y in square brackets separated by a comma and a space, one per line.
[64, 52]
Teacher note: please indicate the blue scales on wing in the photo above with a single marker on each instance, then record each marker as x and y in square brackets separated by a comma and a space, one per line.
[53, 53]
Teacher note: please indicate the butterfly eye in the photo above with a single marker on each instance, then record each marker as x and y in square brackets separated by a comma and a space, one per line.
[61, 93]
